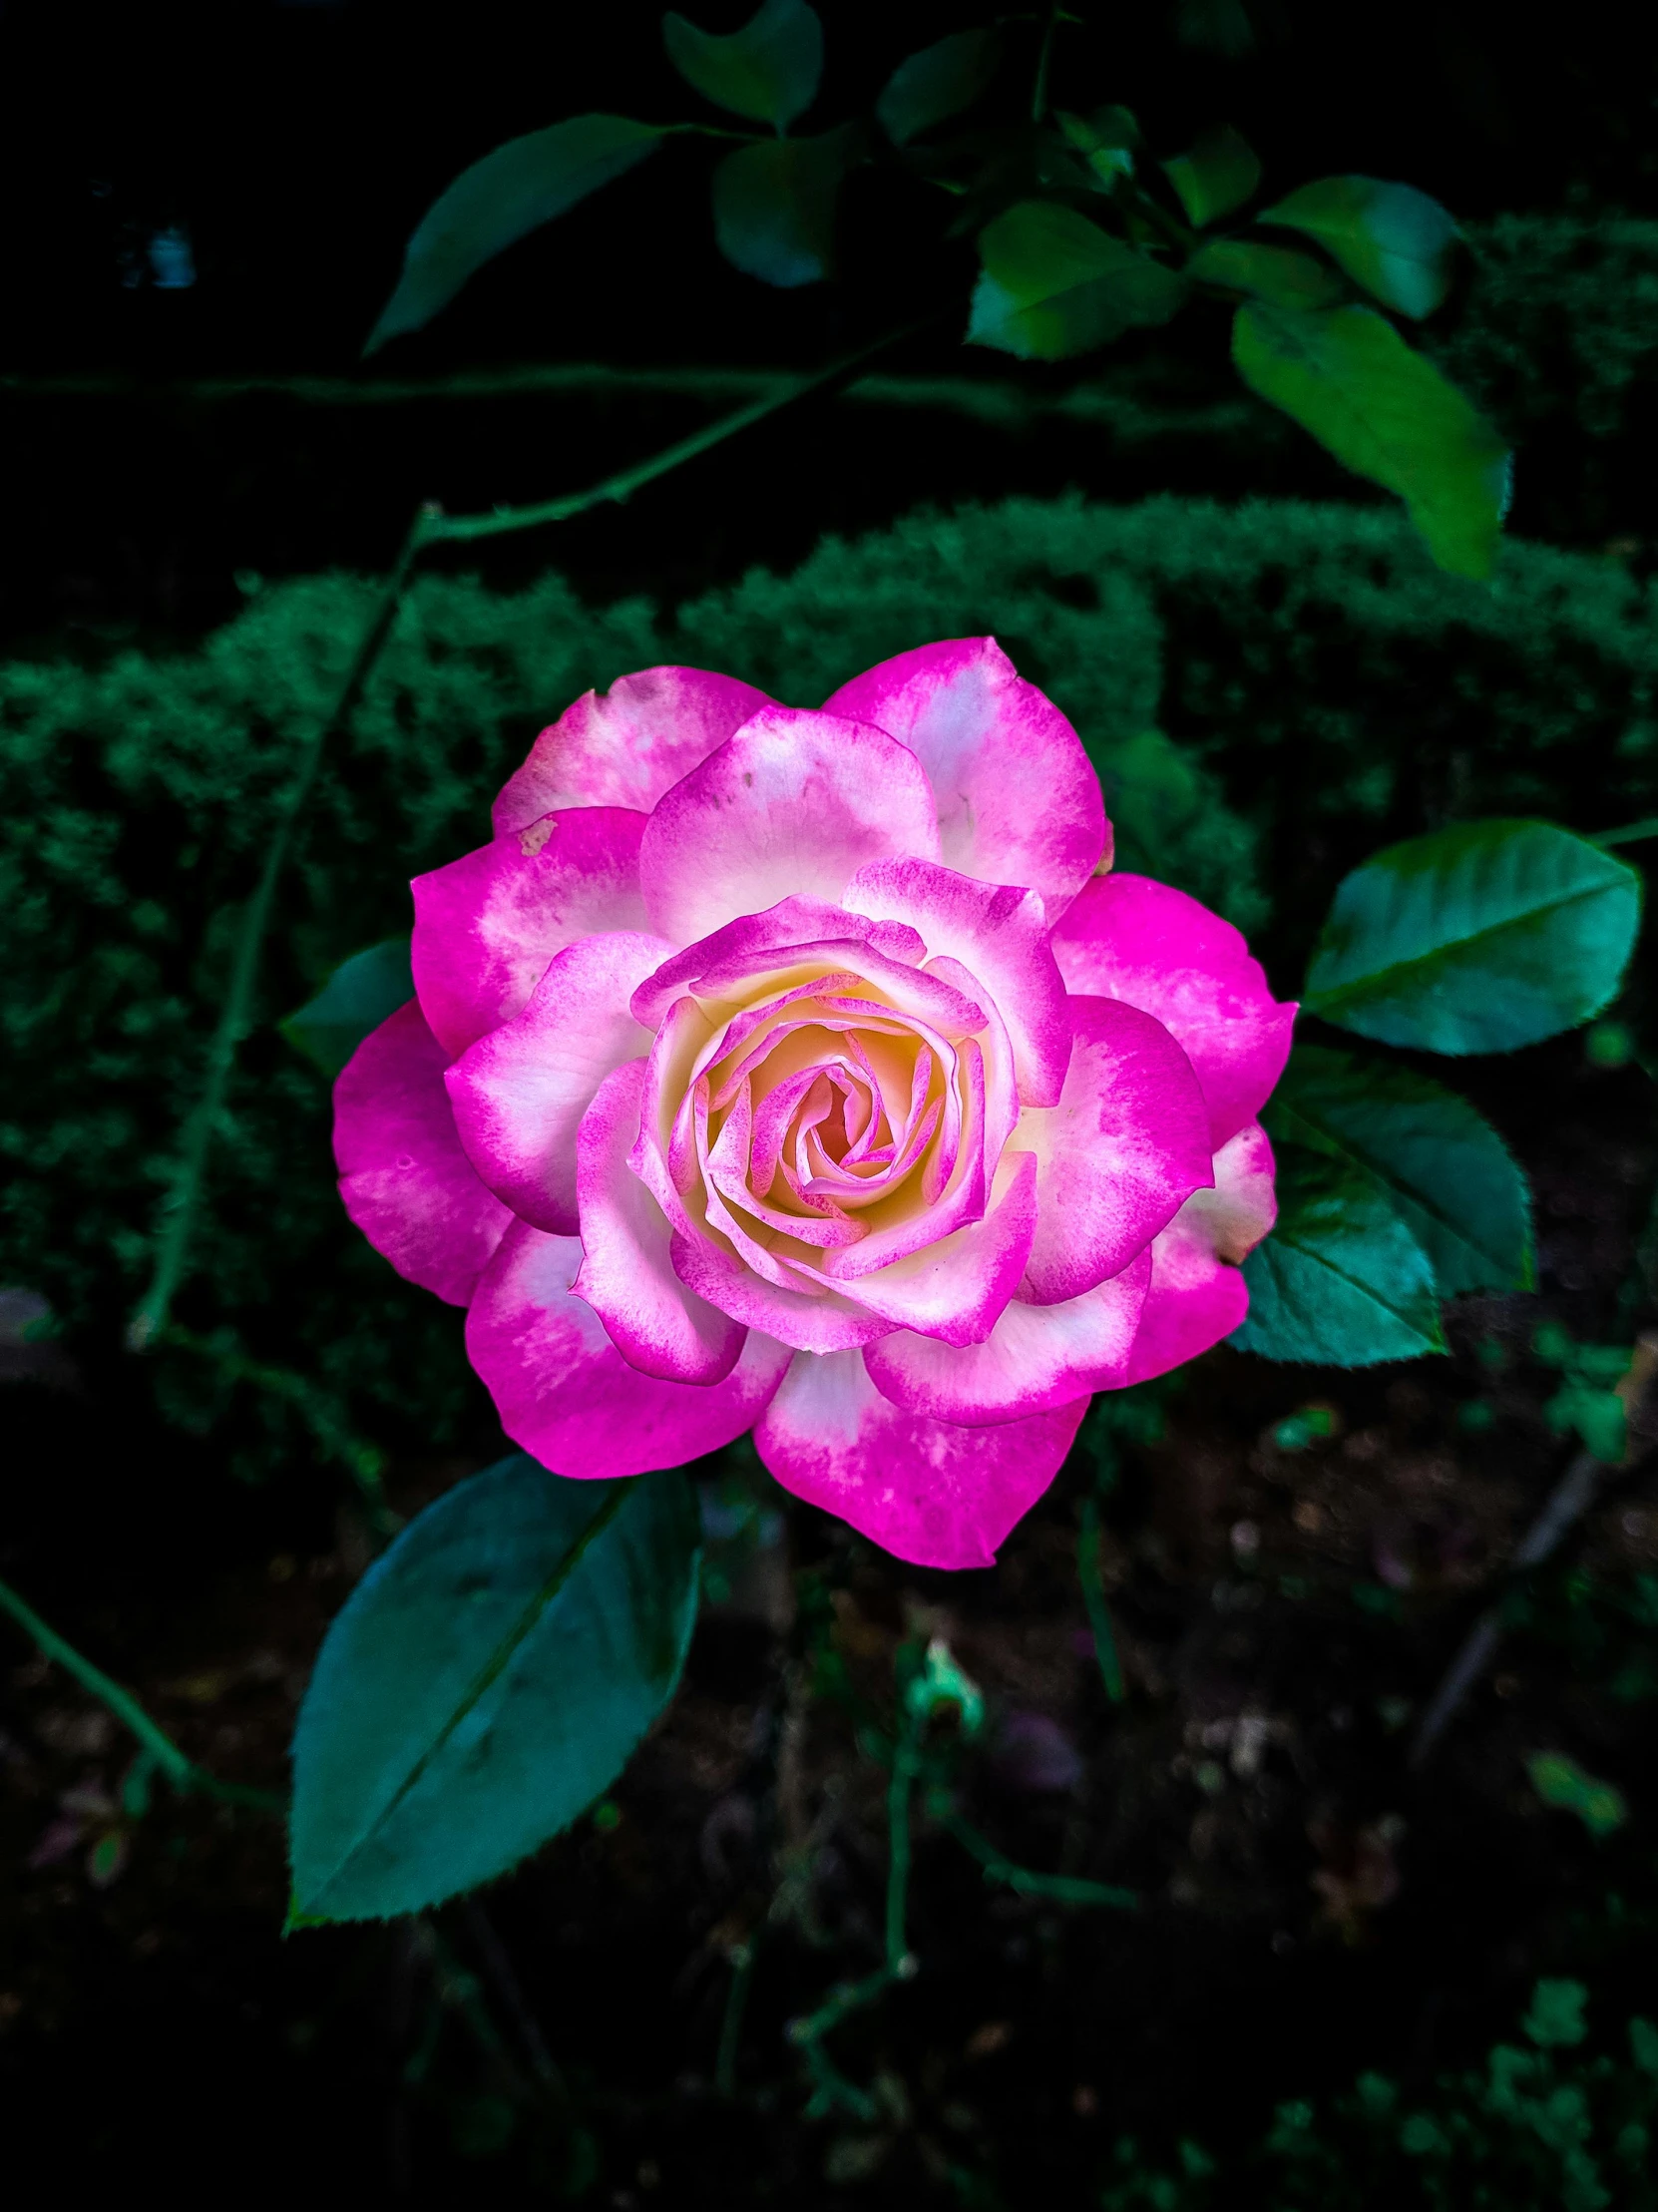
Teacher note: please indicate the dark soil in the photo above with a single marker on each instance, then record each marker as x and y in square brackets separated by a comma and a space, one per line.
[1309, 1905]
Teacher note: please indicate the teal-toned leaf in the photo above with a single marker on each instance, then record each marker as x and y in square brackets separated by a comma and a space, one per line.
[1052, 284]
[769, 71]
[1601, 1807]
[1218, 27]
[1341, 1281]
[1347, 378]
[1109, 139]
[1273, 272]
[1390, 238]
[485, 1681]
[498, 201]
[1480, 938]
[939, 82]
[1219, 173]
[1441, 1165]
[361, 992]
[774, 206]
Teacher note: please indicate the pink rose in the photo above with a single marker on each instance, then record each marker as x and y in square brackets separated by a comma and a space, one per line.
[796, 1072]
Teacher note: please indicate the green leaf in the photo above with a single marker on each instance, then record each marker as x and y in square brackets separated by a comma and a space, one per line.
[1340, 1280]
[936, 83]
[1390, 238]
[774, 206]
[1109, 140]
[1480, 938]
[496, 202]
[1219, 173]
[1347, 378]
[360, 994]
[1054, 284]
[1439, 1163]
[769, 71]
[485, 1681]
[1273, 272]
[1600, 1805]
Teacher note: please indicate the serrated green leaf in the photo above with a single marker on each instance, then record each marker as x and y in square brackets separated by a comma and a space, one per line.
[1480, 938]
[1053, 284]
[485, 1681]
[1273, 272]
[1219, 173]
[1435, 1158]
[1346, 376]
[774, 206]
[501, 198]
[362, 991]
[1392, 238]
[769, 71]
[939, 82]
[1341, 1281]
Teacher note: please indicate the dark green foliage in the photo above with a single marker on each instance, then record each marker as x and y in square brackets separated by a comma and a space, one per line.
[486, 1680]
[1541, 2123]
[1323, 688]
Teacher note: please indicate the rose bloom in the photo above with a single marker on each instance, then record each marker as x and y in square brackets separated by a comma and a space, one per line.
[802, 1072]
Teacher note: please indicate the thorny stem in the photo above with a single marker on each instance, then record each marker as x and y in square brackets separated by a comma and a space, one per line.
[182, 1772]
[181, 1203]
[1093, 1598]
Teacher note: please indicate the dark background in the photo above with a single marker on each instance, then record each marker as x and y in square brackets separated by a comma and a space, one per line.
[298, 146]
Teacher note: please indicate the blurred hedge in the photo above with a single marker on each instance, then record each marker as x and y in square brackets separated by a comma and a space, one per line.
[1321, 689]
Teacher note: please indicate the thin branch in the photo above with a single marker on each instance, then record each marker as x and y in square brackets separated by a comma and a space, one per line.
[1093, 1598]
[1063, 1889]
[1571, 1498]
[182, 1201]
[180, 1771]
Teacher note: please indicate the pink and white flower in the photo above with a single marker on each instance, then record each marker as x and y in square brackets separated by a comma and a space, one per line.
[801, 1073]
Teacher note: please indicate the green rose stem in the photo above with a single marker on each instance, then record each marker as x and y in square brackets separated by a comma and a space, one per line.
[1093, 1598]
[181, 1203]
[159, 1748]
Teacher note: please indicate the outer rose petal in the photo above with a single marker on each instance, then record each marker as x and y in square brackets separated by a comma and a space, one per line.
[627, 745]
[488, 924]
[1151, 946]
[926, 1491]
[657, 1324]
[1035, 1360]
[565, 1393]
[520, 1092]
[1120, 1153]
[405, 1180]
[999, 934]
[1197, 1295]
[795, 803]
[1018, 802]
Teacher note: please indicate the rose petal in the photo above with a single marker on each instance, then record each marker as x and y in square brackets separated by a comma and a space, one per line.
[928, 1491]
[488, 924]
[795, 803]
[520, 1092]
[809, 1321]
[1197, 1294]
[1018, 800]
[627, 745]
[1035, 1360]
[954, 1286]
[751, 936]
[405, 1179]
[999, 935]
[627, 1276]
[565, 1393]
[1154, 946]
[1120, 1153]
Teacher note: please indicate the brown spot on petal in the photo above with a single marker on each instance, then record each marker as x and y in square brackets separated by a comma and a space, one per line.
[531, 840]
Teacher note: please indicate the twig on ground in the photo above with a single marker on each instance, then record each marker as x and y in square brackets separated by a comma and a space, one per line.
[1571, 1498]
